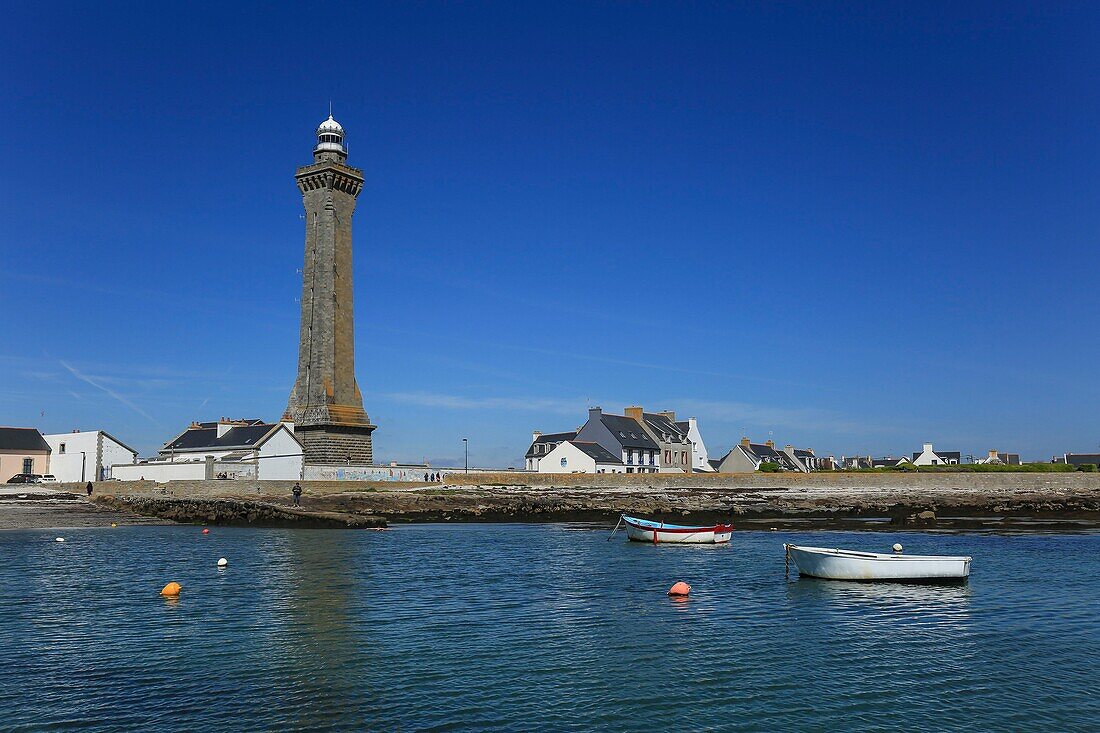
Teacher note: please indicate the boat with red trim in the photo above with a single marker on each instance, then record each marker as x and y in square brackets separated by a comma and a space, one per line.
[644, 530]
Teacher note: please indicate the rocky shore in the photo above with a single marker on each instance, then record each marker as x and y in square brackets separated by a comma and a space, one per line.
[1007, 502]
[237, 512]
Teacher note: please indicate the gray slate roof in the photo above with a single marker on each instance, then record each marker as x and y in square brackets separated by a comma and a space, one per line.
[546, 439]
[663, 426]
[597, 452]
[944, 454]
[23, 439]
[244, 436]
[771, 455]
[628, 432]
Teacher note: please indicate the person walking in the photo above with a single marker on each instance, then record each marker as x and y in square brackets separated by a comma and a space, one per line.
[89, 487]
[297, 491]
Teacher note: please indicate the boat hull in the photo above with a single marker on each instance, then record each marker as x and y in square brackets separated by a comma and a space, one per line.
[641, 530]
[835, 564]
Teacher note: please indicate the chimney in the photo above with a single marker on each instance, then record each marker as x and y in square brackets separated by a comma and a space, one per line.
[692, 423]
[634, 412]
[927, 447]
[594, 413]
[225, 425]
[789, 449]
[670, 414]
[745, 442]
[992, 454]
[535, 436]
[770, 443]
[288, 421]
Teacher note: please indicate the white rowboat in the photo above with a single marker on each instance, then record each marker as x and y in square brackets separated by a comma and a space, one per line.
[821, 562]
[643, 530]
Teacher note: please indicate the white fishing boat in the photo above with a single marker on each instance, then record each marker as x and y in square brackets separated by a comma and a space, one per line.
[836, 564]
[643, 530]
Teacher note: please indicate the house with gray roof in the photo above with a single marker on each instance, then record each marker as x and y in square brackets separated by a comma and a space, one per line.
[577, 456]
[1079, 459]
[674, 452]
[23, 450]
[621, 436]
[541, 445]
[746, 457]
[224, 449]
[929, 457]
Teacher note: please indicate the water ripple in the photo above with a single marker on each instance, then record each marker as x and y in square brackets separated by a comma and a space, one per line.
[512, 627]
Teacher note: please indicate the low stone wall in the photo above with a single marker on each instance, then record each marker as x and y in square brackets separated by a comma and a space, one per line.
[824, 481]
[243, 489]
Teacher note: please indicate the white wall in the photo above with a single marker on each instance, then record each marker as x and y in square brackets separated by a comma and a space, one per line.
[700, 458]
[166, 471]
[576, 460]
[190, 456]
[66, 466]
[115, 453]
[288, 465]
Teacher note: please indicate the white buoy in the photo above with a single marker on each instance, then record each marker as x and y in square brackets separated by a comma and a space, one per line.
[222, 562]
[59, 539]
[897, 547]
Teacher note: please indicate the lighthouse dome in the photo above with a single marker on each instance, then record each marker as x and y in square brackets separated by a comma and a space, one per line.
[330, 125]
[330, 137]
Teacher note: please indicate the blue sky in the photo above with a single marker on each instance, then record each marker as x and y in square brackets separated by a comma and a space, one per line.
[852, 227]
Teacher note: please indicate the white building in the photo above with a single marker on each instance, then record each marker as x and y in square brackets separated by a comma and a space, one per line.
[700, 459]
[621, 436]
[541, 446]
[929, 457]
[574, 456]
[224, 449]
[86, 456]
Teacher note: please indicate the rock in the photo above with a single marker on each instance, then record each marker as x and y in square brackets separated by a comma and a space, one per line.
[926, 516]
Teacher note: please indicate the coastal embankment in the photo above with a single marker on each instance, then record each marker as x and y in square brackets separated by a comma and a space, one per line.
[1009, 501]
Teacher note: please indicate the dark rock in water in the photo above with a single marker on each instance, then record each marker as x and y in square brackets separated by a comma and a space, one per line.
[237, 512]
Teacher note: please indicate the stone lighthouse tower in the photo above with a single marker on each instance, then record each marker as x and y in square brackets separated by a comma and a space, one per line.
[325, 404]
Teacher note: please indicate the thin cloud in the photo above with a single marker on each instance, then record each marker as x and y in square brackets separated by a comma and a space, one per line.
[743, 413]
[570, 406]
[110, 392]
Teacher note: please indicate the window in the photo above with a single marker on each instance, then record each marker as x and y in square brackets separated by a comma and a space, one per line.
[564, 461]
[62, 448]
[28, 465]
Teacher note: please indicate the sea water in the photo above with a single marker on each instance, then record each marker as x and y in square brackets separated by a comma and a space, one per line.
[536, 627]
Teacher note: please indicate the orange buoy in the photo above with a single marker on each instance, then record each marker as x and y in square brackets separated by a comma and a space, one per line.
[680, 589]
[205, 530]
[171, 590]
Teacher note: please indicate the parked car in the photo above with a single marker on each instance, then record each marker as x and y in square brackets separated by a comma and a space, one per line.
[24, 478]
[48, 478]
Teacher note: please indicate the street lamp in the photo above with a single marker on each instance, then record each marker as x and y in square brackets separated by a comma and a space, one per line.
[466, 448]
